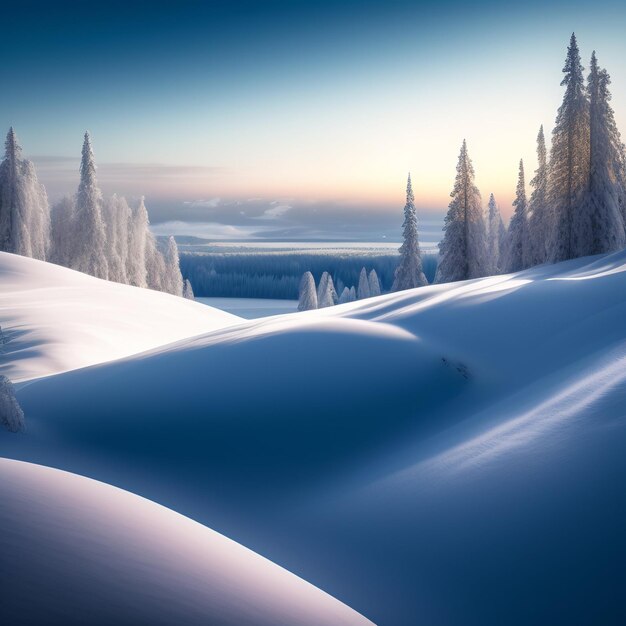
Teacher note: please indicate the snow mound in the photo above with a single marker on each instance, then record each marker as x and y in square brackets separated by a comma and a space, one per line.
[55, 319]
[75, 551]
[446, 455]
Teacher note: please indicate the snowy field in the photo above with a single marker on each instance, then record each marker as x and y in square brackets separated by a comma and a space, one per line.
[251, 308]
[447, 455]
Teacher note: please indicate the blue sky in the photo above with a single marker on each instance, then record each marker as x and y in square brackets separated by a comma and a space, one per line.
[300, 118]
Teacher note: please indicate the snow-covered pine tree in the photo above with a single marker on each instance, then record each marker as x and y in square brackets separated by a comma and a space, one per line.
[364, 286]
[321, 287]
[463, 250]
[605, 223]
[495, 226]
[345, 296]
[156, 269]
[117, 219]
[24, 212]
[409, 273]
[569, 163]
[539, 223]
[308, 295]
[326, 294]
[374, 283]
[136, 268]
[518, 244]
[188, 290]
[352, 294]
[173, 280]
[89, 230]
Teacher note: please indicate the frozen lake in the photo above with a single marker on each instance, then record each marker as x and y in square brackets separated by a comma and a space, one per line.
[251, 308]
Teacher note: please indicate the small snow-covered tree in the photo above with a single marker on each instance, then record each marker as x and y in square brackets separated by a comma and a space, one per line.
[188, 290]
[409, 273]
[136, 268]
[463, 250]
[374, 283]
[24, 212]
[11, 414]
[539, 224]
[345, 296]
[308, 295]
[89, 230]
[495, 228]
[173, 280]
[603, 230]
[364, 285]
[326, 294]
[352, 294]
[117, 218]
[518, 251]
[569, 163]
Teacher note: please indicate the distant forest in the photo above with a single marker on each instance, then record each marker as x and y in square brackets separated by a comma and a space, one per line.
[277, 275]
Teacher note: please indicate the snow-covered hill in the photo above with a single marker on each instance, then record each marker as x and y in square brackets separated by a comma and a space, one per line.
[57, 320]
[75, 551]
[448, 455]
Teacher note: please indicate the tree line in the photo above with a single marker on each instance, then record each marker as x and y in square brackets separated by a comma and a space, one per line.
[107, 238]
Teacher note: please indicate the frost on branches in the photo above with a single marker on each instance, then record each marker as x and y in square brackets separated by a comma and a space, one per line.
[409, 273]
[24, 214]
[308, 296]
[463, 249]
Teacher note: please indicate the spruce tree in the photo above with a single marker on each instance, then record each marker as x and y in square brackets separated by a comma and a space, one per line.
[374, 283]
[364, 285]
[188, 290]
[463, 250]
[603, 230]
[409, 273]
[495, 228]
[538, 209]
[518, 245]
[308, 296]
[24, 213]
[89, 231]
[569, 162]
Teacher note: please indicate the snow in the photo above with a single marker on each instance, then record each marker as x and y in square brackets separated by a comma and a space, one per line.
[451, 454]
[57, 320]
[251, 308]
[76, 551]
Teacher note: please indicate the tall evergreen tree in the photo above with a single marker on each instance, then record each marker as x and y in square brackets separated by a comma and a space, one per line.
[518, 245]
[569, 162]
[24, 213]
[89, 230]
[539, 213]
[604, 227]
[495, 228]
[463, 250]
[409, 273]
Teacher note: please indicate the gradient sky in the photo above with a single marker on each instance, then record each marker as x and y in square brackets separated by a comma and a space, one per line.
[293, 119]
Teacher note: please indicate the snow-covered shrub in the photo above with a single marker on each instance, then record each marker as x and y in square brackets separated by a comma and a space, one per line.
[11, 414]
[188, 290]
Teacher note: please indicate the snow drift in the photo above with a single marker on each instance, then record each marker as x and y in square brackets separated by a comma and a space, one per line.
[56, 319]
[446, 455]
[75, 551]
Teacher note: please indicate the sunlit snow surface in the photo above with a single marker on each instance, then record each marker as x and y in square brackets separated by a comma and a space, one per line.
[448, 455]
[75, 551]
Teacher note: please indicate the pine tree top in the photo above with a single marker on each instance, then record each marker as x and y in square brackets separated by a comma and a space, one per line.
[13, 149]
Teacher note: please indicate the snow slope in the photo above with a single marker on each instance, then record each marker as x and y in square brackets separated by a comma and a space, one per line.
[58, 320]
[447, 455]
[75, 551]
